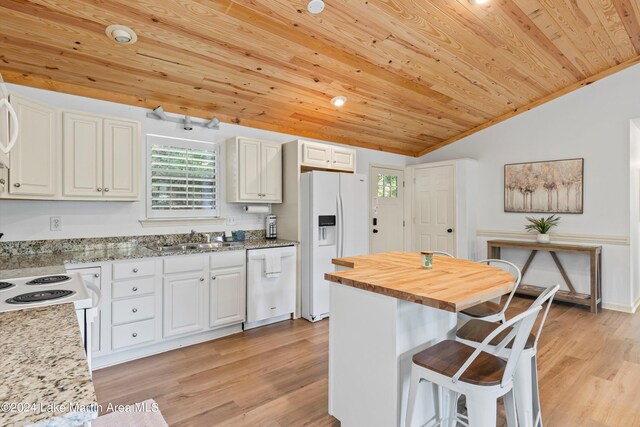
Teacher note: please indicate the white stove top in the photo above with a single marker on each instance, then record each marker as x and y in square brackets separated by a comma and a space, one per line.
[79, 294]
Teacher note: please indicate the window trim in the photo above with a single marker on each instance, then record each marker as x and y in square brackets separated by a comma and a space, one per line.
[151, 140]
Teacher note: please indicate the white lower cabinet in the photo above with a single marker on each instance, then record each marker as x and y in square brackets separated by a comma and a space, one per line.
[156, 304]
[183, 303]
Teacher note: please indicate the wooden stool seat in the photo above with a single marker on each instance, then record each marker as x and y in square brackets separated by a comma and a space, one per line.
[483, 309]
[448, 356]
[477, 330]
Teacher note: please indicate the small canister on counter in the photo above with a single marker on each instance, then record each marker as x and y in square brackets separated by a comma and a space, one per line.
[427, 259]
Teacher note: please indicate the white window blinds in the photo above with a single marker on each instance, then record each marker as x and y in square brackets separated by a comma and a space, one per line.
[182, 178]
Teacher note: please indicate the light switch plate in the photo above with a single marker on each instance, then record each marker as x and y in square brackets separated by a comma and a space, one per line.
[55, 223]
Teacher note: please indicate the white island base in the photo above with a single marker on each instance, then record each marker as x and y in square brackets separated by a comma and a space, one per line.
[372, 338]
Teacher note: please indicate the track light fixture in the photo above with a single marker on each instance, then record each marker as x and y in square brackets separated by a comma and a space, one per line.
[214, 123]
[187, 122]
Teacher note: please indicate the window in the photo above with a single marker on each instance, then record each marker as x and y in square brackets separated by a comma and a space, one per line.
[182, 178]
[388, 186]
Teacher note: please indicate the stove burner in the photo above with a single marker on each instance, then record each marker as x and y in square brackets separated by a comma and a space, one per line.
[40, 296]
[6, 285]
[48, 280]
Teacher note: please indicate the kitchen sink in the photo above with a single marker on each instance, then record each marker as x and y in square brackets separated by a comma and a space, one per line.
[193, 246]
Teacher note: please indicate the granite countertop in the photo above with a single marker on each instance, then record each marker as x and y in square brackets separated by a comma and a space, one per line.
[44, 371]
[28, 265]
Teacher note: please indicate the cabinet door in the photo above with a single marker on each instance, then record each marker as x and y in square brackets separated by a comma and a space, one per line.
[343, 158]
[121, 162]
[93, 275]
[316, 155]
[82, 155]
[226, 297]
[34, 160]
[183, 303]
[271, 172]
[249, 169]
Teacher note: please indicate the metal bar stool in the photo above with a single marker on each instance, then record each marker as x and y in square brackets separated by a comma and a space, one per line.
[526, 390]
[493, 311]
[454, 368]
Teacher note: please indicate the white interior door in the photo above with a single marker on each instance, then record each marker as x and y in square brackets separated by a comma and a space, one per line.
[434, 209]
[386, 227]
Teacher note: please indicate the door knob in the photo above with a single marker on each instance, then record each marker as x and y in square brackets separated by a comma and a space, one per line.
[375, 231]
[449, 230]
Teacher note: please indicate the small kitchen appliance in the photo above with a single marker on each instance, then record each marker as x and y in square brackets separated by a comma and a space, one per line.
[270, 227]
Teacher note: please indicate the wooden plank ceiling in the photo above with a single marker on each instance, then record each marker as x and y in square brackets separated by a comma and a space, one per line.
[418, 74]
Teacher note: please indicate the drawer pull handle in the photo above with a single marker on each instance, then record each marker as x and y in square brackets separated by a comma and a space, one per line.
[135, 270]
[202, 279]
[134, 289]
[135, 310]
[135, 334]
[96, 275]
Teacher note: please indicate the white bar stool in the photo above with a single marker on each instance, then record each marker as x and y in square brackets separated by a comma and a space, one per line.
[454, 368]
[492, 311]
[526, 390]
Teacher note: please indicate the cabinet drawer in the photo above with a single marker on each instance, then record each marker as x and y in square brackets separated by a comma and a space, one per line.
[138, 268]
[131, 288]
[227, 259]
[182, 264]
[132, 334]
[132, 310]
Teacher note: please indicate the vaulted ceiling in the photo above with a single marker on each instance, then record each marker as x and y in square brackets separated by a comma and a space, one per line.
[418, 74]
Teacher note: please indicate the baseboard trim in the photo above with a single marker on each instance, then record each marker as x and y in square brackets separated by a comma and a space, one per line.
[621, 307]
[636, 305]
[558, 237]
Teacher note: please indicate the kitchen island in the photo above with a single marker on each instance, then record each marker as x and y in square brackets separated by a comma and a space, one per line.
[384, 309]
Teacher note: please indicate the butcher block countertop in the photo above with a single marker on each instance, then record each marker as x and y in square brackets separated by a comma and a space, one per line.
[451, 285]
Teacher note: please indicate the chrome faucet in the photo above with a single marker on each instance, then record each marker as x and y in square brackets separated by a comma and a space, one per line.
[192, 235]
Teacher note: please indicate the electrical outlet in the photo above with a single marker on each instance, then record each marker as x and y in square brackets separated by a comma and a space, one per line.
[231, 220]
[55, 223]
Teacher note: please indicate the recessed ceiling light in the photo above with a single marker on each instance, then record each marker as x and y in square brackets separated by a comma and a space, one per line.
[478, 2]
[339, 101]
[121, 34]
[315, 6]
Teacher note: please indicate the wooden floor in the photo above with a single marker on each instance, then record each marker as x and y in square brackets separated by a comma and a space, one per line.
[277, 375]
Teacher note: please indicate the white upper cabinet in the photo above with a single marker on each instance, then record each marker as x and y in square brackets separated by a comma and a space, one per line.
[34, 160]
[316, 155]
[271, 171]
[100, 157]
[343, 158]
[82, 155]
[121, 150]
[324, 156]
[254, 171]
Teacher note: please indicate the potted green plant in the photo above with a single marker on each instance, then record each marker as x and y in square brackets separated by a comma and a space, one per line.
[542, 226]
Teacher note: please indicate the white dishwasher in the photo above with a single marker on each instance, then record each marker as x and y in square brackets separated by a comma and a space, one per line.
[271, 285]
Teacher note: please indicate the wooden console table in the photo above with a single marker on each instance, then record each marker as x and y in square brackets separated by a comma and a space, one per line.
[593, 300]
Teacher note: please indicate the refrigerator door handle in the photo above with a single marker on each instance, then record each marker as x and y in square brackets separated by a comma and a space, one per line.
[341, 222]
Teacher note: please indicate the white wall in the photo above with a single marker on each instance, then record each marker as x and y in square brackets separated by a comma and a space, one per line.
[29, 220]
[592, 123]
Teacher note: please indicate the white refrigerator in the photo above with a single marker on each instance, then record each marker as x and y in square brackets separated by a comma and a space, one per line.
[334, 218]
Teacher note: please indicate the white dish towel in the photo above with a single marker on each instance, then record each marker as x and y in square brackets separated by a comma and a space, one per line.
[272, 264]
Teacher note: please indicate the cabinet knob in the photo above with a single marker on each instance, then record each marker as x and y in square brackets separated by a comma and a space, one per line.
[135, 310]
[134, 289]
[96, 275]
[135, 334]
[17, 185]
[106, 190]
[135, 270]
[213, 277]
[327, 161]
[202, 279]
[99, 189]
[2, 181]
